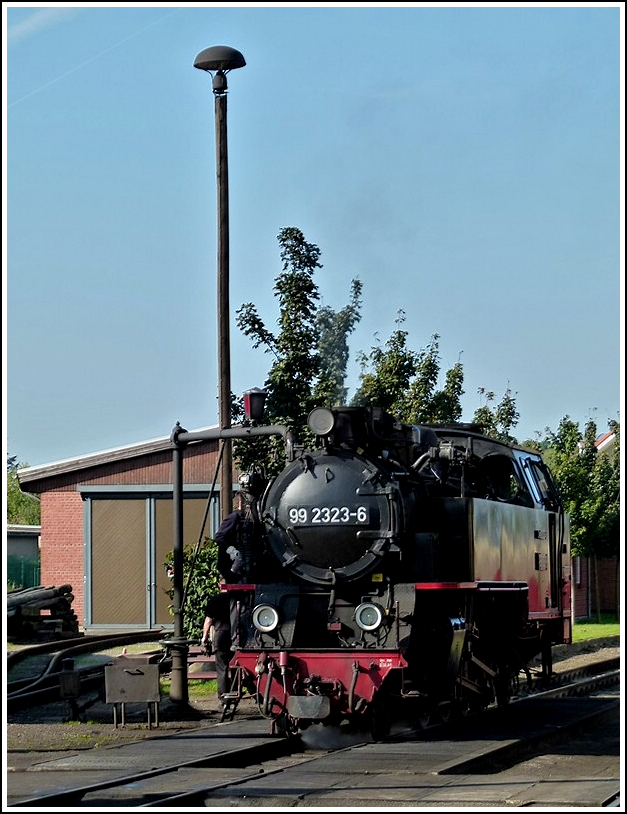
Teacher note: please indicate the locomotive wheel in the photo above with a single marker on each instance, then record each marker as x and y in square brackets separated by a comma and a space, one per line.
[465, 702]
[463, 707]
[284, 726]
[506, 685]
[446, 711]
[426, 718]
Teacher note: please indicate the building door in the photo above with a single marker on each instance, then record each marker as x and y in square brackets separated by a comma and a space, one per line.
[128, 538]
[193, 515]
[118, 552]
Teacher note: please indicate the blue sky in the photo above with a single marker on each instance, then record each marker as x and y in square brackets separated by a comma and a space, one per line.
[464, 162]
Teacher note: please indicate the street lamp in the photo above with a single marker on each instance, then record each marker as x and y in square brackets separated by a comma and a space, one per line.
[218, 61]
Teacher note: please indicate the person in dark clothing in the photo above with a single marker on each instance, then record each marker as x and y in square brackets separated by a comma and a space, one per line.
[219, 608]
[229, 558]
[218, 617]
[221, 613]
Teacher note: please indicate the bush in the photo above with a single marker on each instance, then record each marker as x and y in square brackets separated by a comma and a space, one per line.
[202, 580]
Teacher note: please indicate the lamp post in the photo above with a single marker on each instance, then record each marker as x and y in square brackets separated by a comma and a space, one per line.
[218, 61]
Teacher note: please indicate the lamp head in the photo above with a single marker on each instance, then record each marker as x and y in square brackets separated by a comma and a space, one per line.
[254, 401]
[219, 58]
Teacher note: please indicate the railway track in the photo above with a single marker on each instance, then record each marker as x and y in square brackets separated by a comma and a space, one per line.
[40, 667]
[105, 640]
[39, 684]
[582, 680]
[238, 760]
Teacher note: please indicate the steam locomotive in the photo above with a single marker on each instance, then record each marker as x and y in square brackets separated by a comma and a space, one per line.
[394, 567]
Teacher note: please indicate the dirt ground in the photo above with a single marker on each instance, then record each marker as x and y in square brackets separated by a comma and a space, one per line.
[49, 730]
[46, 731]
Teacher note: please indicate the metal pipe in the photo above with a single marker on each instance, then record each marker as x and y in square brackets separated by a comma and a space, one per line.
[178, 685]
[181, 437]
[224, 363]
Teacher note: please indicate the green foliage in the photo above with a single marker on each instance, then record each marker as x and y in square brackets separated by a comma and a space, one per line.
[202, 580]
[310, 352]
[589, 484]
[310, 348]
[498, 421]
[392, 368]
[404, 382]
[446, 403]
[22, 509]
[295, 367]
[426, 404]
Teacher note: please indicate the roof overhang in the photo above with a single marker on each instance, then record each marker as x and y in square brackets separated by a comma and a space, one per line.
[108, 456]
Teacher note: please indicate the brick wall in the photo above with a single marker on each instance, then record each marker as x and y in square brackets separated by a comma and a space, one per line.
[607, 584]
[584, 591]
[580, 582]
[62, 544]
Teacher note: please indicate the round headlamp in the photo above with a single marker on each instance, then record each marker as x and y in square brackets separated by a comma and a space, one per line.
[369, 616]
[321, 421]
[265, 618]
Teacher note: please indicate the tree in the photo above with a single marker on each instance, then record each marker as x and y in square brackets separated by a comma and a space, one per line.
[589, 485]
[310, 348]
[446, 403]
[498, 422]
[425, 404]
[404, 382]
[22, 509]
[292, 374]
[392, 368]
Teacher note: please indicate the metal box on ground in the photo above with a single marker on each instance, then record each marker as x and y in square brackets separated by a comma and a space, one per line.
[131, 679]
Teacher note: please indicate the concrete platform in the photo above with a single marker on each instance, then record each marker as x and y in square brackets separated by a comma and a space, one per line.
[575, 768]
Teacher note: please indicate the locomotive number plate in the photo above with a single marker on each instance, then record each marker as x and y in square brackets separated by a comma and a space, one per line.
[328, 515]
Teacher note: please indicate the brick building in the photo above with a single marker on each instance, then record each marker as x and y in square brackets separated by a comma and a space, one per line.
[107, 527]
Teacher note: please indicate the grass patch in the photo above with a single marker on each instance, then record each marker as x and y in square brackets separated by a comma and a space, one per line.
[586, 629]
[200, 688]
